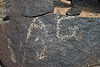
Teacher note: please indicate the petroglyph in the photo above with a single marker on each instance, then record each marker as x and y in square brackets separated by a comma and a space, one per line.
[70, 28]
[20, 46]
[24, 58]
[40, 41]
[41, 54]
[30, 28]
[37, 38]
[39, 25]
[12, 56]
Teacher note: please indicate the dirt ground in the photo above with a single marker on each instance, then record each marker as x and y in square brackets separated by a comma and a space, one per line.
[84, 13]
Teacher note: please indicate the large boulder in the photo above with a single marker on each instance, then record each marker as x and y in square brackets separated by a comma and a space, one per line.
[50, 41]
[35, 37]
[21, 8]
[30, 8]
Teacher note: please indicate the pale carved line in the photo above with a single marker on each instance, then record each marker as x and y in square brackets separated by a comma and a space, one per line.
[12, 56]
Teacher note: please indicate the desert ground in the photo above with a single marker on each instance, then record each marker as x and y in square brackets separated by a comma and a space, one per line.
[84, 13]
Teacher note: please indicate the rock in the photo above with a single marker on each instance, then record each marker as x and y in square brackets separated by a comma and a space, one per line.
[30, 8]
[60, 4]
[5, 6]
[32, 36]
[1, 65]
[50, 41]
[74, 11]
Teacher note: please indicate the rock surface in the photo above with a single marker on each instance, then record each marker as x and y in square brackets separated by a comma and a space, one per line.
[29, 8]
[5, 6]
[49, 40]
[74, 11]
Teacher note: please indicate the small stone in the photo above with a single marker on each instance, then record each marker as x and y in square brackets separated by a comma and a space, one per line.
[74, 11]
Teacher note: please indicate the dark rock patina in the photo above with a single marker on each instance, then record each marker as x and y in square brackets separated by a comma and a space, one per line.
[48, 40]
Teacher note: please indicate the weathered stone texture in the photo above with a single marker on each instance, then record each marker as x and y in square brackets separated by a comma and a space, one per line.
[5, 5]
[34, 37]
[50, 41]
[30, 8]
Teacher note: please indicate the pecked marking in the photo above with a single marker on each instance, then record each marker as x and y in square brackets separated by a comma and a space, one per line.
[75, 28]
[30, 29]
[20, 46]
[40, 25]
[12, 56]
[41, 55]
[24, 58]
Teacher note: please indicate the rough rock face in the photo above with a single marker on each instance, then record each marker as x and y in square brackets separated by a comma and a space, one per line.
[29, 8]
[49, 40]
[5, 6]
